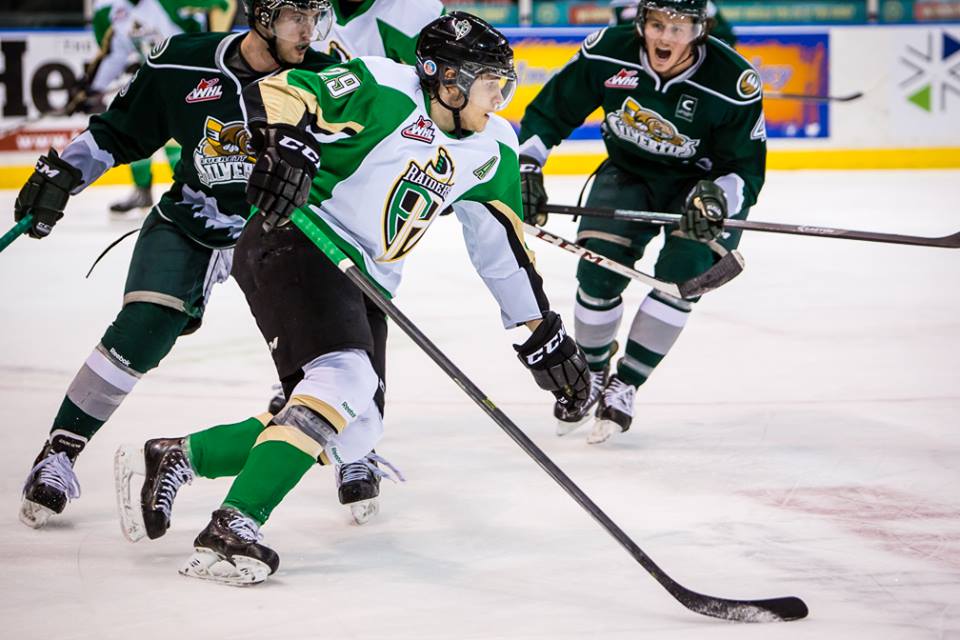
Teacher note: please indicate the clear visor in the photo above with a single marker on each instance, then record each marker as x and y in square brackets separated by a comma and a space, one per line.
[302, 26]
[486, 82]
[668, 26]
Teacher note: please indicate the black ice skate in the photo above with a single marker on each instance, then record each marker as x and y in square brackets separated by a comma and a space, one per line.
[614, 412]
[568, 420]
[52, 482]
[229, 551]
[165, 468]
[358, 485]
[139, 198]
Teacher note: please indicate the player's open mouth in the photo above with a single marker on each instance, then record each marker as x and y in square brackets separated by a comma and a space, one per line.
[662, 54]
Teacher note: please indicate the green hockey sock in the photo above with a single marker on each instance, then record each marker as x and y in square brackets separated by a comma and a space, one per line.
[596, 321]
[223, 450]
[173, 152]
[72, 418]
[272, 470]
[142, 174]
[655, 329]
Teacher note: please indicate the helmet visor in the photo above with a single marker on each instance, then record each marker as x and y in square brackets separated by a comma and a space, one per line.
[661, 23]
[498, 82]
[301, 26]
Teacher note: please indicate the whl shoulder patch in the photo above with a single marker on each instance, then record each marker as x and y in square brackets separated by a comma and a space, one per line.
[159, 48]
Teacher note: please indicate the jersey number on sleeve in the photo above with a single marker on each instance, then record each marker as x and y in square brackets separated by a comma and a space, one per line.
[342, 85]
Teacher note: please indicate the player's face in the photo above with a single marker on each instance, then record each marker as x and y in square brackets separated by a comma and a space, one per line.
[295, 29]
[668, 39]
[490, 92]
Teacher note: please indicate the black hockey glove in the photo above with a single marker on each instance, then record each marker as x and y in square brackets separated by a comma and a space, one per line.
[46, 193]
[557, 363]
[704, 212]
[532, 193]
[288, 159]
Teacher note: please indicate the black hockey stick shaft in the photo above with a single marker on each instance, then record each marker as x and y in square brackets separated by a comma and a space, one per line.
[771, 610]
[655, 217]
[812, 97]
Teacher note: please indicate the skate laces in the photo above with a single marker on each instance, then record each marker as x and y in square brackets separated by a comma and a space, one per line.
[173, 478]
[596, 385]
[56, 471]
[619, 395]
[244, 526]
[366, 466]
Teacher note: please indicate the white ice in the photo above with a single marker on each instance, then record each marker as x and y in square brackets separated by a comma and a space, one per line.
[801, 439]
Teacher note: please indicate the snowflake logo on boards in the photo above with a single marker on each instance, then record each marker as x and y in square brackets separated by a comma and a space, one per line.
[461, 28]
[417, 197]
[623, 79]
[205, 91]
[934, 65]
[421, 130]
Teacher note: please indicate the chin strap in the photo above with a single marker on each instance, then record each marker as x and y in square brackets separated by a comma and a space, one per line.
[457, 126]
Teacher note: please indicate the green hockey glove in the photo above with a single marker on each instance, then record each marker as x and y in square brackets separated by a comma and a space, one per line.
[532, 193]
[704, 212]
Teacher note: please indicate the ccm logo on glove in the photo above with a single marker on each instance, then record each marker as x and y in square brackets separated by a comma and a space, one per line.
[548, 348]
[308, 153]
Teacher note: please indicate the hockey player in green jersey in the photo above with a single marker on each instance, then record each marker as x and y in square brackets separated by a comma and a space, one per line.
[684, 130]
[387, 28]
[189, 90]
[367, 154]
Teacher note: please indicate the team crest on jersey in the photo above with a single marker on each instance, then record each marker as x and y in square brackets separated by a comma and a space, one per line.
[414, 202]
[158, 49]
[749, 84]
[623, 79]
[649, 130]
[205, 91]
[421, 130]
[224, 154]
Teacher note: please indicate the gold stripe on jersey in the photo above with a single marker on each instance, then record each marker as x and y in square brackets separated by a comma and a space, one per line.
[292, 436]
[516, 222]
[282, 103]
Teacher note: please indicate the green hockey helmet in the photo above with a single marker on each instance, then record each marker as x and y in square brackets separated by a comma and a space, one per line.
[695, 10]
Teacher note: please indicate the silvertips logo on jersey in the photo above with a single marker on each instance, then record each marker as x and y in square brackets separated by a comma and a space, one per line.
[417, 197]
[649, 130]
[223, 155]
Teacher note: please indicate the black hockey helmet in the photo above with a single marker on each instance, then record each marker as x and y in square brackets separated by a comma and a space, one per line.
[471, 47]
[263, 15]
[696, 10]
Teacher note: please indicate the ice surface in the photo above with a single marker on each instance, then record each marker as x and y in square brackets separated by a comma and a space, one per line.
[801, 439]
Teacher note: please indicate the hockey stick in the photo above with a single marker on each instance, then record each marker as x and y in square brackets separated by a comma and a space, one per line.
[722, 272]
[771, 610]
[653, 217]
[16, 231]
[806, 97]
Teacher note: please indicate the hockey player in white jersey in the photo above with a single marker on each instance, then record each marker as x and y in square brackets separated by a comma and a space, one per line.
[367, 155]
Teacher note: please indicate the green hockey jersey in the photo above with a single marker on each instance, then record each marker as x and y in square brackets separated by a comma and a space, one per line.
[387, 171]
[183, 91]
[386, 28]
[705, 123]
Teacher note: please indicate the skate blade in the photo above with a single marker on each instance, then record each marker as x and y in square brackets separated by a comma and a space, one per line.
[34, 515]
[127, 462]
[566, 428]
[602, 431]
[364, 510]
[206, 564]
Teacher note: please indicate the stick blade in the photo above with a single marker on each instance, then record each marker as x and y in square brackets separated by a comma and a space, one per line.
[770, 610]
[725, 270]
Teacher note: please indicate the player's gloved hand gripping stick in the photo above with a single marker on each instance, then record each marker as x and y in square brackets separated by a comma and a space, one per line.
[41, 200]
[287, 161]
